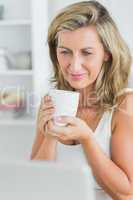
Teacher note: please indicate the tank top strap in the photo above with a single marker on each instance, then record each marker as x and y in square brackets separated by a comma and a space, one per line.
[103, 121]
[109, 115]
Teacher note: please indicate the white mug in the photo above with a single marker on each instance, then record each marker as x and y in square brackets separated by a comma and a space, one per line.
[65, 103]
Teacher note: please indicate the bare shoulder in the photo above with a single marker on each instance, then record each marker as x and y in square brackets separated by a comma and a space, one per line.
[123, 114]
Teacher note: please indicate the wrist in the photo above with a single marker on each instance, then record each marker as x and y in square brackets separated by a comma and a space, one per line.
[50, 138]
[86, 138]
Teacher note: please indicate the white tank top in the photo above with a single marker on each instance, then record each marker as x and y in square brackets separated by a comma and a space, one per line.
[74, 154]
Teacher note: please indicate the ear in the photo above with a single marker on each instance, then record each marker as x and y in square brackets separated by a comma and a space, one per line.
[106, 56]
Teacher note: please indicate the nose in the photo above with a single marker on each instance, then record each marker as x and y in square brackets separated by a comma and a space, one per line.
[76, 64]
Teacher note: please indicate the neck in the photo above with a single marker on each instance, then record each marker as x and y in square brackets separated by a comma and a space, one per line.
[85, 94]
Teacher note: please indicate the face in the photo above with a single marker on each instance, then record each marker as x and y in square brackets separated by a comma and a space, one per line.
[80, 55]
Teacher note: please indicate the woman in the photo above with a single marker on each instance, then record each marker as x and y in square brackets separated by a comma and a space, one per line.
[90, 56]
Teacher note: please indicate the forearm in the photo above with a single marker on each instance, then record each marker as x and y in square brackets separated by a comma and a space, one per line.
[47, 150]
[105, 170]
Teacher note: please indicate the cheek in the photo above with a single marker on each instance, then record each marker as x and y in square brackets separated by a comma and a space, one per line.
[95, 66]
[63, 61]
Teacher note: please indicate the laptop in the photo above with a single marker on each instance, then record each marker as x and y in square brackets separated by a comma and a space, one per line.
[44, 180]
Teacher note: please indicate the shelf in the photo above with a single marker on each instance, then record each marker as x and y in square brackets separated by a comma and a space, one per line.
[16, 73]
[18, 122]
[23, 22]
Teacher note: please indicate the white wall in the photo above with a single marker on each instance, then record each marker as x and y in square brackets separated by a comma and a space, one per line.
[15, 10]
[123, 13]
[40, 51]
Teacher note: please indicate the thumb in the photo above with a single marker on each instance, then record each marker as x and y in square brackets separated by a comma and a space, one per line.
[68, 120]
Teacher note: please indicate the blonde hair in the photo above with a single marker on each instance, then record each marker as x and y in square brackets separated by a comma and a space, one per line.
[114, 73]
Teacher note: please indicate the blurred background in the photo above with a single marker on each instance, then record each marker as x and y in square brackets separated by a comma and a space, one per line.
[25, 67]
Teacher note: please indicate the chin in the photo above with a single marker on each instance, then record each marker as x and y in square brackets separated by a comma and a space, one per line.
[78, 85]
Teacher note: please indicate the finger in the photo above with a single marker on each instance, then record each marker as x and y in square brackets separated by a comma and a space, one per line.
[47, 106]
[48, 111]
[44, 121]
[62, 136]
[68, 120]
[50, 124]
[44, 113]
[58, 129]
[47, 98]
[44, 116]
[43, 100]
[65, 138]
[46, 101]
[50, 132]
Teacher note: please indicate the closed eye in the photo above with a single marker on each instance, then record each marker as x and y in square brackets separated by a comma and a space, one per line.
[86, 53]
[64, 52]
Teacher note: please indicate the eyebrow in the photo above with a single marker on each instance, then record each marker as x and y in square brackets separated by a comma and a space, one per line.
[85, 48]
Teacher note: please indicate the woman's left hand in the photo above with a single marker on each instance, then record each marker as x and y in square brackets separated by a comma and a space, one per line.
[76, 129]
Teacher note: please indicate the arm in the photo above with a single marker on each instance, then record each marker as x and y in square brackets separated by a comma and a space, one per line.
[116, 175]
[47, 150]
[44, 147]
[110, 176]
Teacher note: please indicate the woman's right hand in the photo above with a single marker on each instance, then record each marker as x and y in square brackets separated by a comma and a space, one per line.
[46, 112]
[45, 116]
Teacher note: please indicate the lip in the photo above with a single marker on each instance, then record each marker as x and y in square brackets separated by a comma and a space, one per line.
[77, 76]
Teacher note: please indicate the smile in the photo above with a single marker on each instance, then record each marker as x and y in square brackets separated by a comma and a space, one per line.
[77, 76]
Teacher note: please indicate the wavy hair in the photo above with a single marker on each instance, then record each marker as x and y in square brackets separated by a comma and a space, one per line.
[114, 73]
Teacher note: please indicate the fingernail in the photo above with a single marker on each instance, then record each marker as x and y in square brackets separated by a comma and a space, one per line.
[49, 98]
